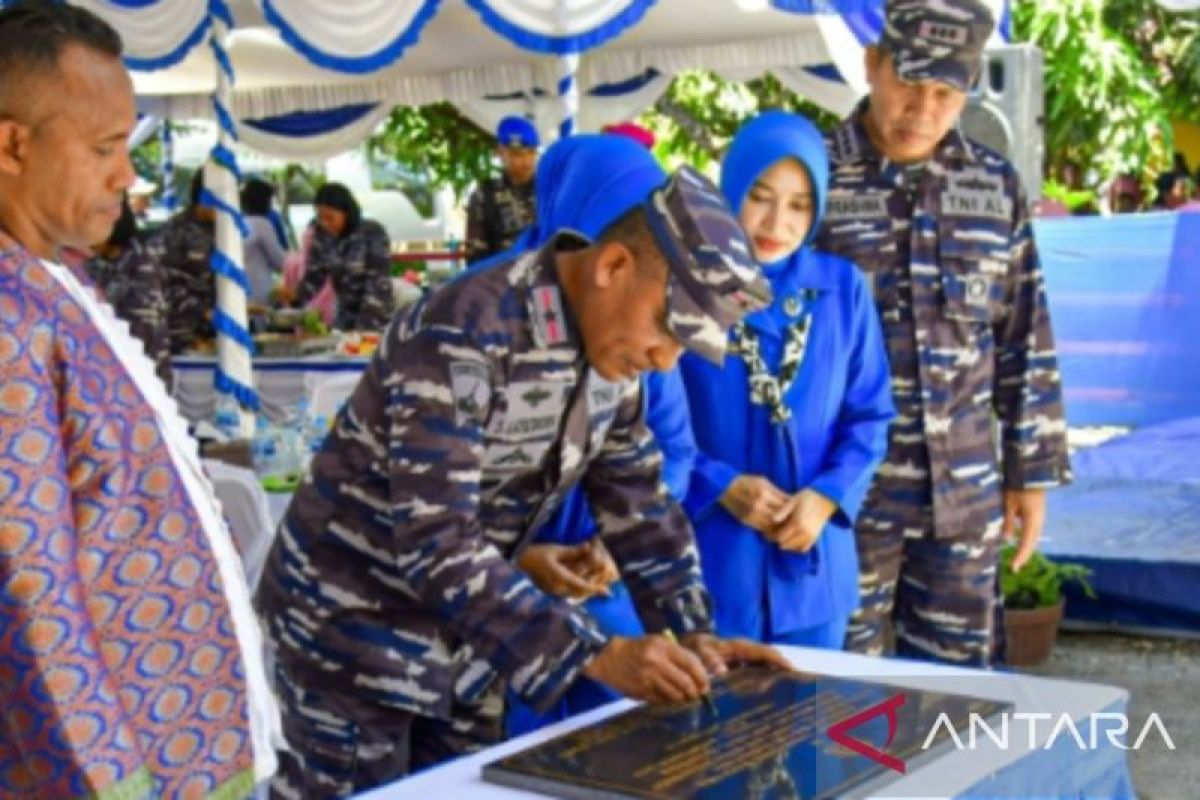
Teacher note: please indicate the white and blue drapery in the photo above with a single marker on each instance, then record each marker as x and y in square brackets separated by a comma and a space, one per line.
[565, 30]
[354, 37]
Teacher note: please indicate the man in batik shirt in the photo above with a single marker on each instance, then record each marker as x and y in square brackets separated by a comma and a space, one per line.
[130, 663]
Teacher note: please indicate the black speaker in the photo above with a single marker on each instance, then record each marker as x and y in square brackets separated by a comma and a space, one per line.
[1005, 110]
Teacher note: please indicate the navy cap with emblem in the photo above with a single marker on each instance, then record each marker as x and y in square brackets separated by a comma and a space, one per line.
[517, 133]
[713, 279]
[937, 41]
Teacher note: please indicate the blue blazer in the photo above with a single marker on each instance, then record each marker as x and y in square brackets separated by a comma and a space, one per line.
[835, 439]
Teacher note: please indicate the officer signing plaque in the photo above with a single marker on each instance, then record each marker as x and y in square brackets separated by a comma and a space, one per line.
[767, 733]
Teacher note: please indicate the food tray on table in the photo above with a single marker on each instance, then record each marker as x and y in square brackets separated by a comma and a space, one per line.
[279, 345]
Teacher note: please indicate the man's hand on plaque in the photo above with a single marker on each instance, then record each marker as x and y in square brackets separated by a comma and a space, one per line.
[719, 655]
[565, 570]
[650, 668]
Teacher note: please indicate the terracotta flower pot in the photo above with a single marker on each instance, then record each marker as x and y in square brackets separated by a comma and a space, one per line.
[1030, 634]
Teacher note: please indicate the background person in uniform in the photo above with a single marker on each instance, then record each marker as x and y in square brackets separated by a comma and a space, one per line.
[131, 657]
[123, 268]
[792, 426]
[263, 251]
[940, 226]
[398, 617]
[182, 248]
[356, 255]
[500, 208]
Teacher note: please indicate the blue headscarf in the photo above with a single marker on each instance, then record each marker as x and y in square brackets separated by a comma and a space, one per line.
[763, 141]
[585, 183]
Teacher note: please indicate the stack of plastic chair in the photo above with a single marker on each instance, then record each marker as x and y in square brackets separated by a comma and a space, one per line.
[248, 513]
[328, 391]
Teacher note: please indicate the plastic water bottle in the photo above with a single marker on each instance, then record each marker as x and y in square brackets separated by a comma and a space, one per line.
[315, 429]
[265, 447]
[293, 453]
[227, 415]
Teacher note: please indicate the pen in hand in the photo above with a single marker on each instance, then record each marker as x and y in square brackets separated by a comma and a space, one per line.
[707, 696]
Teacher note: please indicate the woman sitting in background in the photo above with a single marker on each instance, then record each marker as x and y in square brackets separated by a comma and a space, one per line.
[356, 255]
[791, 429]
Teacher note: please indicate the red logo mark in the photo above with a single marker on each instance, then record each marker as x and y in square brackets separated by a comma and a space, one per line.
[840, 733]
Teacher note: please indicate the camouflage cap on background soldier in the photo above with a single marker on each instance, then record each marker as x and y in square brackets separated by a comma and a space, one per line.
[937, 41]
[713, 279]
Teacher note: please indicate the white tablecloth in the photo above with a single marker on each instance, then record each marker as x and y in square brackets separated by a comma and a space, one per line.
[1016, 771]
[280, 382]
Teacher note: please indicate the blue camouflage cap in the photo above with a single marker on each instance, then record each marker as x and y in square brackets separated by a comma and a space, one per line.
[937, 40]
[713, 279]
[517, 133]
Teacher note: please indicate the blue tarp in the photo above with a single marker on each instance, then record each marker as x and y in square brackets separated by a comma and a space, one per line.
[1124, 293]
[1133, 516]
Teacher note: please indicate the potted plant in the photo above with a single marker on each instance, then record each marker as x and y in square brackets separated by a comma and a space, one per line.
[1033, 604]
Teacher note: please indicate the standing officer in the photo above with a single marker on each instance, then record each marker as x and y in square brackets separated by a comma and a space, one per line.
[390, 595]
[941, 227]
[503, 207]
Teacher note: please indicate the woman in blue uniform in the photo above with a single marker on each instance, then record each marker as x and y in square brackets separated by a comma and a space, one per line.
[791, 429]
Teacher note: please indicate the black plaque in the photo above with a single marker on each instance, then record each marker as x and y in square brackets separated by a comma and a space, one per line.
[768, 736]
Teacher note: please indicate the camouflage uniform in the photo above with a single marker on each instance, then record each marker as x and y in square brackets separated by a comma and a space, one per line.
[496, 213]
[389, 592]
[360, 264]
[181, 249]
[949, 249]
[133, 284]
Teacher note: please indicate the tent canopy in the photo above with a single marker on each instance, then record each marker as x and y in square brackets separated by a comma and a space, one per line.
[460, 59]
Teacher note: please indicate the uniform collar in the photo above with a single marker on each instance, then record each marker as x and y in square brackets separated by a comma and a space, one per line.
[550, 320]
[795, 284]
[850, 142]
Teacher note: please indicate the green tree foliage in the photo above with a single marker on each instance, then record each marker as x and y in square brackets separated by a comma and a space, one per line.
[700, 112]
[1113, 70]
[439, 143]
[1170, 43]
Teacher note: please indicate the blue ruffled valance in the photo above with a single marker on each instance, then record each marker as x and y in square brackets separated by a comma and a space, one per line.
[532, 26]
[352, 36]
[312, 123]
[157, 34]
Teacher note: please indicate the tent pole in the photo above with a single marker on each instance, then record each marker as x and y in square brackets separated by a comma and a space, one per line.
[234, 373]
[568, 94]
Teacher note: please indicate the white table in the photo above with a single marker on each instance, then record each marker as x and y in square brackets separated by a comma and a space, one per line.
[988, 770]
[280, 382]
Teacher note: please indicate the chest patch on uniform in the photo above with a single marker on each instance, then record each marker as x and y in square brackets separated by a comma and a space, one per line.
[469, 384]
[513, 457]
[533, 410]
[976, 289]
[856, 205]
[976, 193]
